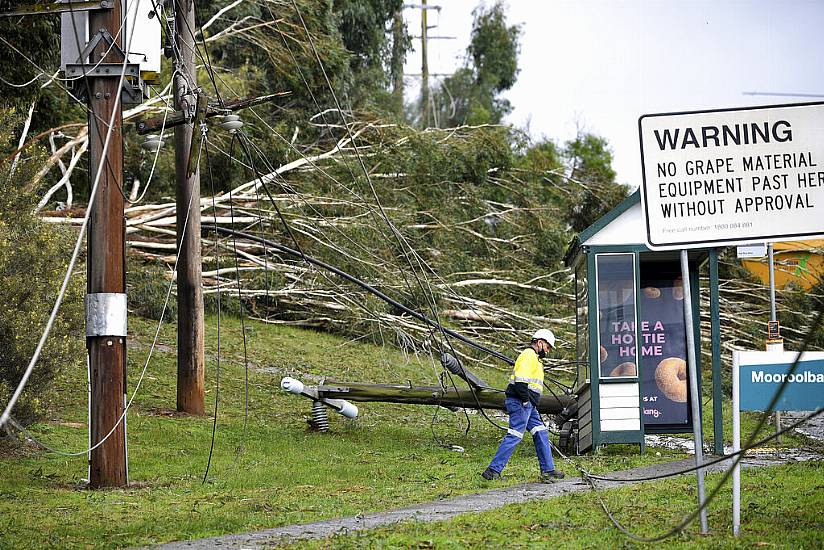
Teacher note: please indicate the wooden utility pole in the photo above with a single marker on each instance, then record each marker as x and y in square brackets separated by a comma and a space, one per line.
[424, 67]
[106, 269]
[190, 359]
[397, 62]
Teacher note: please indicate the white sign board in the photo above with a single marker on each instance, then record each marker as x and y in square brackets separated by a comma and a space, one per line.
[713, 178]
[800, 380]
[752, 251]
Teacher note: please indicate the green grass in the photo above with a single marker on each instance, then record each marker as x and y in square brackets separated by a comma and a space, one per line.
[274, 472]
[781, 508]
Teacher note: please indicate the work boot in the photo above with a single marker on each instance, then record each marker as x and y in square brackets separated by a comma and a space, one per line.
[551, 476]
[489, 474]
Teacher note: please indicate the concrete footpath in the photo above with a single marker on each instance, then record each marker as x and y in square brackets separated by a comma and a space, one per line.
[448, 508]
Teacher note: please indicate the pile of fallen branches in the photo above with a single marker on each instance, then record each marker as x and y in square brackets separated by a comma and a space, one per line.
[466, 251]
[344, 226]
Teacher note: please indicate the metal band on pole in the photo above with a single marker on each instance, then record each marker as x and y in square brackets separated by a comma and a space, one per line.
[106, 314]
[693, 383]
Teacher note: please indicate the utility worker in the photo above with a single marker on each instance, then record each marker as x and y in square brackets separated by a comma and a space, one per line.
[522, 396]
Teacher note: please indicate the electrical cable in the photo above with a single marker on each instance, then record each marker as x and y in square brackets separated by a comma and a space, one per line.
[404, 244]
[217, 362]
[314, 99]
[401, 240]
[13, 85]
[71, 95]
[717, 460]
[286, 226]
[211, 76]
[154, 161]
[737, 460]
[737, 457]
[271, 198]
[431, 330]
[306, 158]
[268, 305]
[240, 305]
[366, 286]
[266, 162]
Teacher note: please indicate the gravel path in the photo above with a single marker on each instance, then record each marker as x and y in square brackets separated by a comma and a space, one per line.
[442, 509]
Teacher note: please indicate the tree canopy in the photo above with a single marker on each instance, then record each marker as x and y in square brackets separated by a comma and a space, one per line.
[472, 95]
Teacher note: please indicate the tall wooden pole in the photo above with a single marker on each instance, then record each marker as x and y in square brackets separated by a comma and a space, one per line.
[397, 62]
[106, 268]
[190, 359]
[424, 68]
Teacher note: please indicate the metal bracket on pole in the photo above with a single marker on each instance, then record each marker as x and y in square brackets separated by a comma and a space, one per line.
[106, 314]
[194, 148]
[134, 89]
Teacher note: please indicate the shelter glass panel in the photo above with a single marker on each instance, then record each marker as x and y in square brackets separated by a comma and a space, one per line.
[615, 275]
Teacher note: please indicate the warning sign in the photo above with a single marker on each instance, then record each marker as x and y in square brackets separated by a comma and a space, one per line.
[730, 176]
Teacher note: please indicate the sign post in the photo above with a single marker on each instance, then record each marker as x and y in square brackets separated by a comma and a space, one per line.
[756, 376]
[736, 446]
[692, 372]
[774, 340]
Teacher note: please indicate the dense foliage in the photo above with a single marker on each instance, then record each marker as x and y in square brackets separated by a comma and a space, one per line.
[33, 259]
[472, 95]
[473, 203]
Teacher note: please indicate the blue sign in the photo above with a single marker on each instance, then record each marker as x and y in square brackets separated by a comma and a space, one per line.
[804, 390]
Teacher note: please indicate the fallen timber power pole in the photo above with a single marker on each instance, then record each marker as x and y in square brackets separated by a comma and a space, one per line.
[408, 394]
[336, 395]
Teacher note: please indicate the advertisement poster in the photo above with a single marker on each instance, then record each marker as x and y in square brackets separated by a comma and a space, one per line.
[663, 349]
[663, 339]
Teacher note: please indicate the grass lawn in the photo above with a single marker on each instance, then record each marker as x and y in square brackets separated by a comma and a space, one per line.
[781, 508]
[273, 471]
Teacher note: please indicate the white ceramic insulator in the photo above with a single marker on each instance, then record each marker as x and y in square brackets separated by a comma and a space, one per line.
[232, 125]
[291, 385]
[348, 410]
[152, 143]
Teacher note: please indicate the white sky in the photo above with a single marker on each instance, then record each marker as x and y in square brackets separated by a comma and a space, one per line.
[600, 65]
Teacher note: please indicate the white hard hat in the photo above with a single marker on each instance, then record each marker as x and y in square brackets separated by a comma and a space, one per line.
[545, 334]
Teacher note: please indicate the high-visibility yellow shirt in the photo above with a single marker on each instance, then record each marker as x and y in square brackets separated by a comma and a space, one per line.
[529, 369]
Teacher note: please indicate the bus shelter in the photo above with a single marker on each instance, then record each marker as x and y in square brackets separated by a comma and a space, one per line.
[630, 333]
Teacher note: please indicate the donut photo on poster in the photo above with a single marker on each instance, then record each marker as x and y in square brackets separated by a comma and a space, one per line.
[663, 348]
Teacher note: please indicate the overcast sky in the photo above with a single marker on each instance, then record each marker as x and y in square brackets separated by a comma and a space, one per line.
[600, 65]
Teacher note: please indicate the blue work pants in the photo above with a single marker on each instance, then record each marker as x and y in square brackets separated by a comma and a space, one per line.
[523, 418]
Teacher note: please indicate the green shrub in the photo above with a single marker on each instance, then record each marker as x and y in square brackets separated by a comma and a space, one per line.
[33, 260]
[147, 286]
